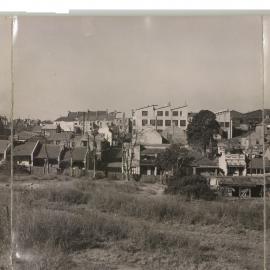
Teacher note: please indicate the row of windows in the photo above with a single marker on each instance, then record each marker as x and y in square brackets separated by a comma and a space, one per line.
[166, 113]
[224, 124]
[168, 123]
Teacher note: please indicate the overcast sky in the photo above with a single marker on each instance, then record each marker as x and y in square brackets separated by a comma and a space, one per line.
[79, 63]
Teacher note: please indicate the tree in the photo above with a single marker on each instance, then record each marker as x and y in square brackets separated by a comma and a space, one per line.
[2, 128]
[175, 159]
[58, 128]
[129, 146]
[201, 131]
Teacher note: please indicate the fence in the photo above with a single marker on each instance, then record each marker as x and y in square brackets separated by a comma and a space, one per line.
[115, 175]
[36, 170]
[150, 178]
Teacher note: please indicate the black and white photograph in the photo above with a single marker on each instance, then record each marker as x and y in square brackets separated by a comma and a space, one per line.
[134, 142]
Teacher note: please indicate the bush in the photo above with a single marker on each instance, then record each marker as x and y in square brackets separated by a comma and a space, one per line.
[194, 187]
[136, 177]
[100, 175]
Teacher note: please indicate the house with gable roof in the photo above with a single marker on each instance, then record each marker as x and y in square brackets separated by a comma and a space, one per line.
[24, 154]
[49, 157]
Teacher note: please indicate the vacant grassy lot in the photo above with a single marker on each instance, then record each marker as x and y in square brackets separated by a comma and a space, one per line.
[64, 223]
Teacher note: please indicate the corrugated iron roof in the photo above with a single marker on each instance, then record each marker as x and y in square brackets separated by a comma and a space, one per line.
[205, 162]
[62, 136]
[49, 127]
[79, 153]
[25, 135]
[152, 151]
[25, 149]
[257, 163]
[51, 150]
[247, 181]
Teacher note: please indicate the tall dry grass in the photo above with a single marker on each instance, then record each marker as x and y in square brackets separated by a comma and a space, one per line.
[123, 199]
[59, 221]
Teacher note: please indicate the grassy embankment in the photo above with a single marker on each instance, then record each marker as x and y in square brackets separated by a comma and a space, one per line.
[86, 224]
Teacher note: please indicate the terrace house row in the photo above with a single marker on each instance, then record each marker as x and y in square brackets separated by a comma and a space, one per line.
[86, 121]
[40, 158]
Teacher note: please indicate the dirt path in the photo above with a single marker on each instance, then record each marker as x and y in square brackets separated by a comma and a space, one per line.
[152, 189]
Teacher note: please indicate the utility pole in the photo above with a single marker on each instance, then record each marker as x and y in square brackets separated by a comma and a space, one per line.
[94, 134]
[71, 162]
[14, 29]
[83, 123]
[87, 155]
[94, 150]
[263, 144]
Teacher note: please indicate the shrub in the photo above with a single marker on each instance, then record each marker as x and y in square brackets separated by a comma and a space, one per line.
[100, 175]
[136, 177]
[193, 187]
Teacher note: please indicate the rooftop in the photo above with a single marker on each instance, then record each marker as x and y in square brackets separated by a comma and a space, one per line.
[50, 150]
[246, 181]
[79, 153]
[25, 149]
[257, 163]
[62, 136]
[48, 126]
[25, 135]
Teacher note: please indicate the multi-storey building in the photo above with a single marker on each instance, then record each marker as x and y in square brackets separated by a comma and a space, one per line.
[229, 121]
[160, 118]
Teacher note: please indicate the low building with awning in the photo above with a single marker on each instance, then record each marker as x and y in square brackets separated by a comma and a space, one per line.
[240, 186]
[148, 157]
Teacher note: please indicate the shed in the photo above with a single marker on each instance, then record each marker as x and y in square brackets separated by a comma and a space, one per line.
[24, 153]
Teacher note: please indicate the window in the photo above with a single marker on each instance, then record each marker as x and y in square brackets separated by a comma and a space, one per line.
[144, 122]
[152, 122]
[84, 143]
[167, 123]
[159, 113]
[144, 113]
[182, 123]
[227, 124]
[167, 113]
[180, 113]
[175, 123]
[175, 113]
[160, 123]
